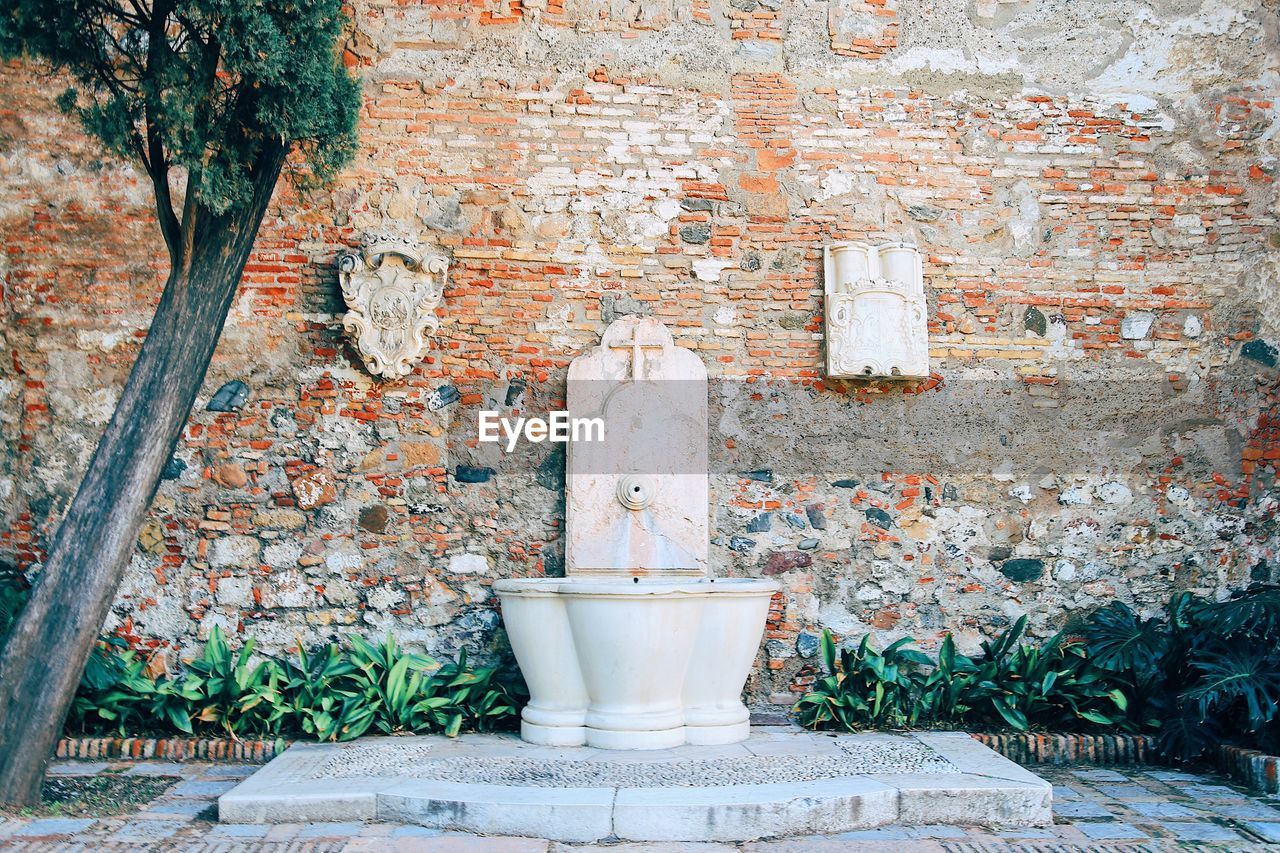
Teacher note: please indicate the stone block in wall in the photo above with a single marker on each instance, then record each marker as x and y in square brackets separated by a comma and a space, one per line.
[642, 14]
[234, 552]
[989, 12]
[507, 11]
[866, 29]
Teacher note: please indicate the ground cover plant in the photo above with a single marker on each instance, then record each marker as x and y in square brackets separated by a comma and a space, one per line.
[100, 795]
[1200, 673]
[331, 693]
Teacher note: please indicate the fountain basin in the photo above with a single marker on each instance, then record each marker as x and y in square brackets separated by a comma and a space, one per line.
[623, 664]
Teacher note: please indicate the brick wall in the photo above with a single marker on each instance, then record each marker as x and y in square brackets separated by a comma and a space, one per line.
[1100, 258]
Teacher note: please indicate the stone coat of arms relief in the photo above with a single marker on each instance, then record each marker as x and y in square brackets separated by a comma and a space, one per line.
[392, 288]
[876, 317]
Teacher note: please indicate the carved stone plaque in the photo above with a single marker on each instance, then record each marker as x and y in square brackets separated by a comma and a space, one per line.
[391, 288]
[876, 319]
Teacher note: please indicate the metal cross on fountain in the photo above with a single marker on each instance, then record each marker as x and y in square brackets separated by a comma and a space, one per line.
[637, 345]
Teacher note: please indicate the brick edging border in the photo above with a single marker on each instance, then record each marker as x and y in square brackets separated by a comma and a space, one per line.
[1052, 748]
[1248, 767]
[172, 749]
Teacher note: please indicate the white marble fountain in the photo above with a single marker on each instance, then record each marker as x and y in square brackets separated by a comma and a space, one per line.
[637, 647]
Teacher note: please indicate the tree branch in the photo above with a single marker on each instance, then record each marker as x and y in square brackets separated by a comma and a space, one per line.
[194, 212]
[102, 66]
[190, 28]
[158, 163]
[158, 169]
[141, 153]
[138, 9]
[119, 13]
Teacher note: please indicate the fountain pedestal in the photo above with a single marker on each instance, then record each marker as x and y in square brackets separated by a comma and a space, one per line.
[647, 665]
[637, 647]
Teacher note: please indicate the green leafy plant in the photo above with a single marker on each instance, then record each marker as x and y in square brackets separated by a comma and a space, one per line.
[389, 681]
[1054, 685]
[319, 700]
[176, 701]
[233, 692]
[950, 688]
[109, 696]
[330, 694]
[1133, 650]
[457, 697]
[1199, 670]
[865, 688]
[1011, 683]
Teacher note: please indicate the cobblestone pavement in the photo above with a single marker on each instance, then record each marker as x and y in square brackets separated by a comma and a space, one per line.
[1096, 809]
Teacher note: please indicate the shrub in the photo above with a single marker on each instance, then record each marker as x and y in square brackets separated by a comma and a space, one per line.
[483, 700]
[231, 691]
[111, 689]
[1201, 670]
[331, 694]
[389, 682]
[1053, 686]
[318, 699]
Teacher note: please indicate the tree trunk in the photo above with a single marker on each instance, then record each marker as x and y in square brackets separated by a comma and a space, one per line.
[41, 664]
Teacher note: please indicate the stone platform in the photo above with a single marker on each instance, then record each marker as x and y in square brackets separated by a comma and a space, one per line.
[780, 782]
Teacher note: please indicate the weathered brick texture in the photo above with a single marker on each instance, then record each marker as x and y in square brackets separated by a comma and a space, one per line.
[1100, 257]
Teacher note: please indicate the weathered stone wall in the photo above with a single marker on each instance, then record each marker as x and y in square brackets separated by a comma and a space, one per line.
[1092, 183]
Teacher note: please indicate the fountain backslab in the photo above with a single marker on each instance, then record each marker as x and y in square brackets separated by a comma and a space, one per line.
[637, 647]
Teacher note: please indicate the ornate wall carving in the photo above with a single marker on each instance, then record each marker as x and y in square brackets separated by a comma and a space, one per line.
[392, 289]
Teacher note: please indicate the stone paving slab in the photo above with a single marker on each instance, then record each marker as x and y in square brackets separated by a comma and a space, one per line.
[202, 788]
[1199, 831]
[1079, 808]
[1248, 811]
[1266, 831]
[1215, 793]
[51, 827]
[1112, 831]
[147, 829]
[1127, 791]
[794, 785]
[77, 768]
[330, 829]
[233, 771]
[1099, 774]
[1025, 833]
[239, 830]
[183, 809]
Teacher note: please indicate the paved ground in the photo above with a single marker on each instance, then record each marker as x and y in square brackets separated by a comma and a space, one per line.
[1096, 809]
